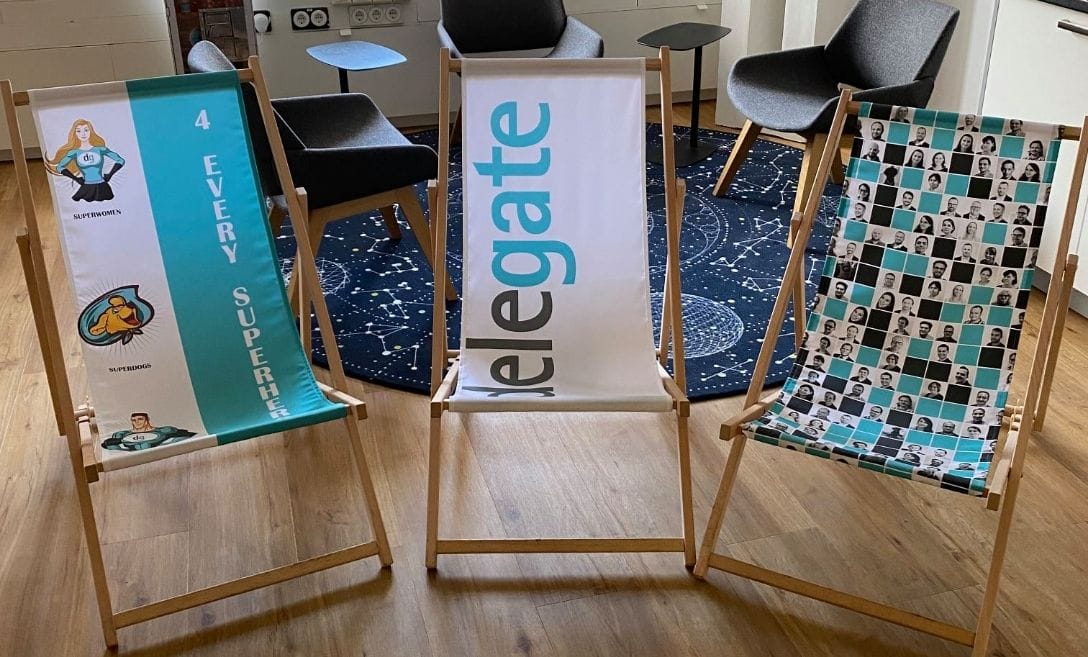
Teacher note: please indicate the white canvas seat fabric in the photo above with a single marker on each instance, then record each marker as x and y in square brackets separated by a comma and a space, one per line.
[556, 305]
[187, 337]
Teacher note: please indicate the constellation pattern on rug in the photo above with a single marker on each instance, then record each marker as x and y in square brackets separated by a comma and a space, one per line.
[732, 249]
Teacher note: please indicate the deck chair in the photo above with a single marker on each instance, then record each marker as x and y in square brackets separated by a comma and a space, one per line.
[906, 364]
[556, 305]
[186, 335]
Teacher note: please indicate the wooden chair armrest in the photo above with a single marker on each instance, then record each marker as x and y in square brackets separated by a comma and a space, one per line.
[679, 399]
[440, 401]
[356, 406]
[730, 426]
[1000, 477]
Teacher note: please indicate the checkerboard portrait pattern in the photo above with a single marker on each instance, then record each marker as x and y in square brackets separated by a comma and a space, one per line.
[906, 363]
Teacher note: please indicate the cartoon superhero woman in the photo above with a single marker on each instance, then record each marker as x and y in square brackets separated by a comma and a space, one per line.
[83, 159]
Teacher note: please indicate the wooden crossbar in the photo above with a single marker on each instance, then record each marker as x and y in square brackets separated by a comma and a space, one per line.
[844, 600]
[559, 545]
[245, 584]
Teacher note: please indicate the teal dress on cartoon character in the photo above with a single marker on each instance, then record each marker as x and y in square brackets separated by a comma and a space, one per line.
[94, 185]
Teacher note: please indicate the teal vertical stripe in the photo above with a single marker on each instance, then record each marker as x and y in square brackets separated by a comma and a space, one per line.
[203, 283]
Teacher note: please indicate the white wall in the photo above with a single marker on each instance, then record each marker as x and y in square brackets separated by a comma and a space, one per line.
[757, 28]
[47, 43]
[408, 92]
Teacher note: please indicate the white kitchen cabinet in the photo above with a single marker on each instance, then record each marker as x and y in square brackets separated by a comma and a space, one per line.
[1037, 72]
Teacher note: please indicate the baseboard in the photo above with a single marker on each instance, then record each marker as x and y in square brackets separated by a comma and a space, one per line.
[1078, 300]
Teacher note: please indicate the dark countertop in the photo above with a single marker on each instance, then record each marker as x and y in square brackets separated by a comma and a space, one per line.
[1078, 5]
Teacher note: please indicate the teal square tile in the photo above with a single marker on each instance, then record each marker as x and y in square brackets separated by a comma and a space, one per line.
[912, 178]
[894, 260]
[930, 407]
[881, 396]
[1026, 192]
[924, 117]
[952, 313]
[957, 184]
[864, 109]
[899, 133]
[1012, 147]
[854, 230]
[945, 442]
[844, 207]
[995, 233]
[867, 170]
[919, 348]
[986, 377]
[1026, 278]
[967, 355]
[840, 368]
[837, 433]
[813, 324]
[992, 125]
[903, 220]
[1001, 399]
[944, 139]
[948, 120]
[868, 356]
[919, 437]
[971, 334]
[917, 265]
[930, 203]
[999, 316]
[1048, 172]
[980, 295]
[911, 385]
[1053, 150]
[953, 412]
[852, 167]
[871, 427]
[835, 309]
[861, 295]
[898, 469]
[829, 266]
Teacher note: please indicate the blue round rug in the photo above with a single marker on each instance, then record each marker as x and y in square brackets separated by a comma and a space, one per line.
[733, 253]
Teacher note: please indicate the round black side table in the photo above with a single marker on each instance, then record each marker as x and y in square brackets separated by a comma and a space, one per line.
[686, 36]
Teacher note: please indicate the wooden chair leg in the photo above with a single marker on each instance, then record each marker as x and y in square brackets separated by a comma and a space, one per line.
[814, 147]
[94, 549]
[684, 454]
[413, 212]
[737, 156]
[434, 470]
[799, 308]
[997, 559]
[721, 504]
[1068, 277]
[316, 229]
[389, 216]
[373, 510]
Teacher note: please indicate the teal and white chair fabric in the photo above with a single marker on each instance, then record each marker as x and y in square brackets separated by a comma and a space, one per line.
[906, 363]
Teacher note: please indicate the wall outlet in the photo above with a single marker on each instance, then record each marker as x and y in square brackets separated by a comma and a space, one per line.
[310, 18]
[375, 14]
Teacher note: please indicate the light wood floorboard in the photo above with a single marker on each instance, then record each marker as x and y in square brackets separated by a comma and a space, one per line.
[195, 520]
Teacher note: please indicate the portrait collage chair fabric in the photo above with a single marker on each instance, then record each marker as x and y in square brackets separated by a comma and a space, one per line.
[908, 356]
[187, 338]
[556, 308]
[906, 364]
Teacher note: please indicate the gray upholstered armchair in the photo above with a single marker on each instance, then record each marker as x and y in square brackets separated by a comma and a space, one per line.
[483, 26]
[343, 151]
[889, 50]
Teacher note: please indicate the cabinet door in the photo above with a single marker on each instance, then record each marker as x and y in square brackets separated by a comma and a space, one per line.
[1037, 73]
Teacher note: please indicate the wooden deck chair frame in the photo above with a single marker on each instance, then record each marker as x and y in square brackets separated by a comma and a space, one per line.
[77, 425]
[1004, 478]
[442, 387]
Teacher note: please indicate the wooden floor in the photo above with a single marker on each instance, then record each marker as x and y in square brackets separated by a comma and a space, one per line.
[196, 520]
